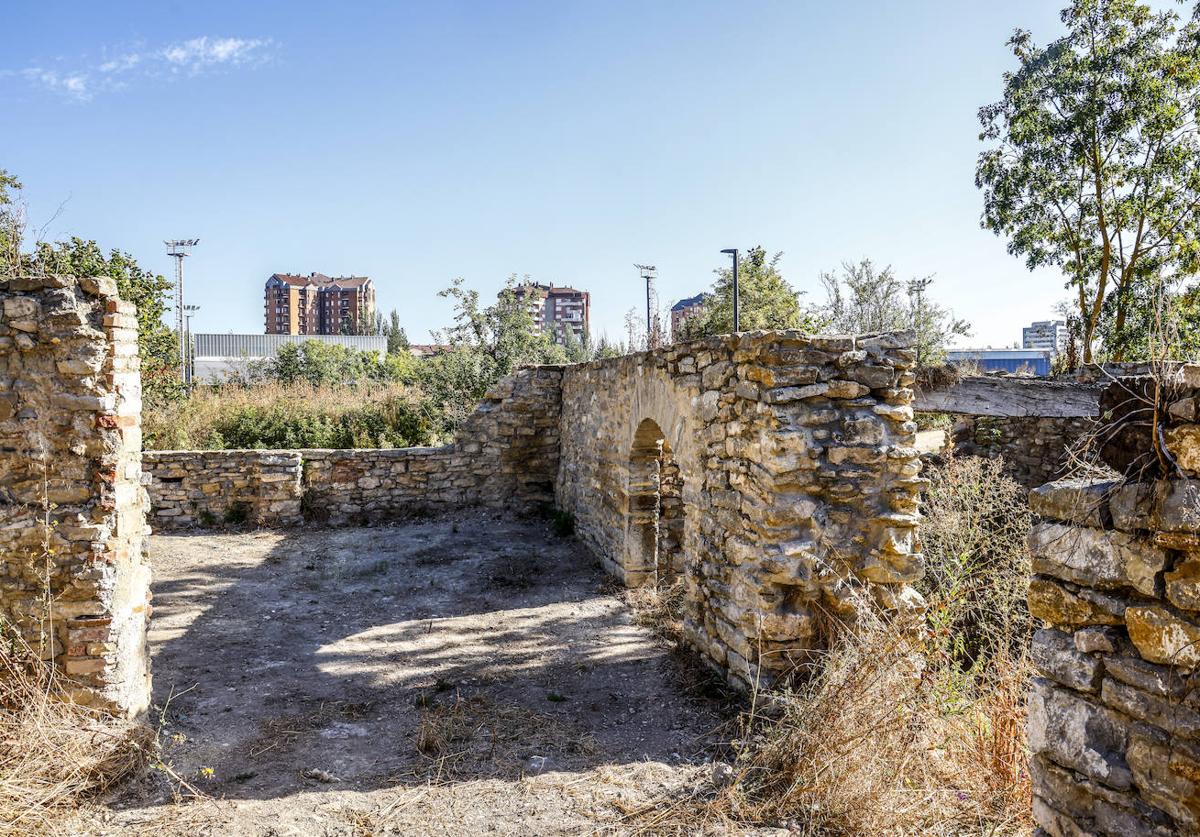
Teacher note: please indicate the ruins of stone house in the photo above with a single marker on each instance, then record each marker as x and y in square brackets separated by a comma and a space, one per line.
[773, 472]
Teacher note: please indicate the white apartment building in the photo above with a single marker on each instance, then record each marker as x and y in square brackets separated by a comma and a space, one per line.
[1049, 335]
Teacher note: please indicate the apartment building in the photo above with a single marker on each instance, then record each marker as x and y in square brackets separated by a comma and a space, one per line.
[1050, 335]
[318, 304]
[556, 310]
[682, 311]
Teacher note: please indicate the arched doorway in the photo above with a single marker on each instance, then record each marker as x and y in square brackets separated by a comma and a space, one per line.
[654, 538]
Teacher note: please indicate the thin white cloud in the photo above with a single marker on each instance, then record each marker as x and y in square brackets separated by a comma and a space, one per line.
[191, 57]
[203, 52]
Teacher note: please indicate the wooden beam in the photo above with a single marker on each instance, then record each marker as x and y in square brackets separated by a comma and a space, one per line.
[999, 396]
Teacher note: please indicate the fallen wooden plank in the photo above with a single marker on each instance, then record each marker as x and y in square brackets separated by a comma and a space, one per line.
[1000, 396]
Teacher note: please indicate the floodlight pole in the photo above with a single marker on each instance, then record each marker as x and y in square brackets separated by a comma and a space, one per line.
[732, 251]
[178, 248]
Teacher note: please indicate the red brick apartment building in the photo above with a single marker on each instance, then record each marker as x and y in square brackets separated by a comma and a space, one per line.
[556, 310]
[318, 304]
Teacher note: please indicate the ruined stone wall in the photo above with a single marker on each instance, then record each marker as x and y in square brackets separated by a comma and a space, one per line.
[207, 488]
[1114, 717]
[74, 579]
[1034, 447]
[798, 478]
[504, 456]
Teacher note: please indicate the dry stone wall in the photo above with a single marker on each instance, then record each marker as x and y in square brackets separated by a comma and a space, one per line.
[1114, 718]
[504, 456]
[797, 472]
[74, 581]
[1035, 448]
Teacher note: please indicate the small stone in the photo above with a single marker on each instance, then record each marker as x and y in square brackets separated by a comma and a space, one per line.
[1183, 444]
[1054, 654]
[1084, 502]
[1096, 640]
[1183, 584]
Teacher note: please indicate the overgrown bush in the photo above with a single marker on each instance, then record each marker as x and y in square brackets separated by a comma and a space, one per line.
[907, 727]
[298, 416]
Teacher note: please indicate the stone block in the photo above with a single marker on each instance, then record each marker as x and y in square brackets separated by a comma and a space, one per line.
[1073, 732]
[1055, 656]
[1096, 557]
[1083, 502]
[1164, 637]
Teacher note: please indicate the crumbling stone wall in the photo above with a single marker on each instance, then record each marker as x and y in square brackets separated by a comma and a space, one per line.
[1114, 719]
[797, 472]
[74, 580]
[1035, 448]
[504, 456]
[206, 488]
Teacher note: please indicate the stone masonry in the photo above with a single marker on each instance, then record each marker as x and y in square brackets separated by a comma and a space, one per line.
[1114, 718]
[73, 579]
[798, 477]
[1035, 448]
[504, 455]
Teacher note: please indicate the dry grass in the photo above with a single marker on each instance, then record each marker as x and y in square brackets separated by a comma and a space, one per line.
[903, 729]
[205, 419]
[55, 754]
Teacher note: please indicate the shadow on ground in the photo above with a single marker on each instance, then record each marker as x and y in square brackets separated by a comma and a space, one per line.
[448, 650]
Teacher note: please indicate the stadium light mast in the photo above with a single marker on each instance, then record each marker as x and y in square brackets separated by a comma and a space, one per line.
[647, 272]
[177, 249]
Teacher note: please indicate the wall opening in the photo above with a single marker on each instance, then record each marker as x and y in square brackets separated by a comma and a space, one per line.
[654, 542]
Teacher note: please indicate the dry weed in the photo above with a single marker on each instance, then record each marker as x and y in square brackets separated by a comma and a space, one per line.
[55, 754]
[900, 730]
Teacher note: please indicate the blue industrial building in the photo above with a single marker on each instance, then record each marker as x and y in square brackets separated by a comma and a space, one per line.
[1032, 361]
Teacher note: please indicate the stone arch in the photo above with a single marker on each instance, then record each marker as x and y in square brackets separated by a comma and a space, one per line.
[654, 502]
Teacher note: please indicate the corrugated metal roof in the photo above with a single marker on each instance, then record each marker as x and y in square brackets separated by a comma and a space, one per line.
[267, 345]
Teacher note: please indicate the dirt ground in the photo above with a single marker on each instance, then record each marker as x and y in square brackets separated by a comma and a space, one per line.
[460, 675]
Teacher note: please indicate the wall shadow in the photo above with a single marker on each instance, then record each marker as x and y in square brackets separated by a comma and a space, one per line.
[459, 647]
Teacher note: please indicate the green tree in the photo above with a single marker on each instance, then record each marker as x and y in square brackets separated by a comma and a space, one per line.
[863, 299]
[11, 223]
[765, 299]
[1094, 158]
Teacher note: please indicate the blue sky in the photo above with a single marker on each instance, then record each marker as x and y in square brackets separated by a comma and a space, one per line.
[417, 142]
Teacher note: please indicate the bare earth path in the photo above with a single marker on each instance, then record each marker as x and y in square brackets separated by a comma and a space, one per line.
[461, 675]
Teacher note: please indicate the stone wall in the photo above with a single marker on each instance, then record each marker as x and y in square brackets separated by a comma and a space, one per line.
[1035, 448]
[798, 478]
[74, 580]
[504, 455]
[1114, 718]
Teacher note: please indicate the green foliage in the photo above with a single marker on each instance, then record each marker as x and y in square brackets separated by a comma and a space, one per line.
[862, 299]
[1092, 165]
[765, 299]
[237, 512]
[328, 364]
[157, 344]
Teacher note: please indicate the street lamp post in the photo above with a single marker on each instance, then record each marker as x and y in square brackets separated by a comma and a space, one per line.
[732, 251]
[190, 356]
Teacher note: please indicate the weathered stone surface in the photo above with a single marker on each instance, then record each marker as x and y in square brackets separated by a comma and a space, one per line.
[1163, 637]
[1183, 584]
[1083, 502]
[1132, 506]
[1096, 640]
[1059, 605]
[1183, 444]
[69, 416]
[799, 500]
[1168, 777]
[1097, 557]
[1076, 733]
[1055, 655]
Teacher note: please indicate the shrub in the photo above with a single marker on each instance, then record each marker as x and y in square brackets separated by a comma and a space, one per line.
[274, 416]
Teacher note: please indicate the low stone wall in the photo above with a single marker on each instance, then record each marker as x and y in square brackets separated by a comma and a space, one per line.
[1035, 448]
[1114, 718]
[73, 578]
[798, 477]
[207, 488]
[504, 455]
